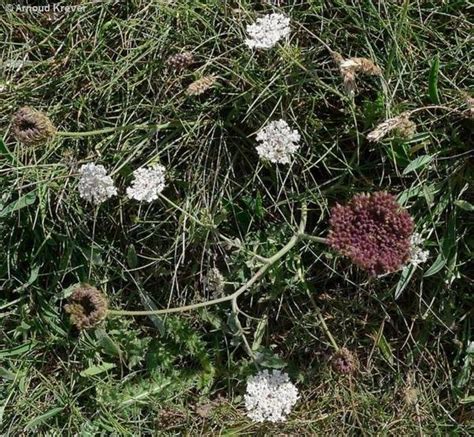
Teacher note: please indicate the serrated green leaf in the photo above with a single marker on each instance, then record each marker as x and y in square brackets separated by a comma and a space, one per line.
[421, 161]
[433, 81]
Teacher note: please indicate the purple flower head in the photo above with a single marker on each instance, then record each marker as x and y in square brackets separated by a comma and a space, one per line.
[373, 230]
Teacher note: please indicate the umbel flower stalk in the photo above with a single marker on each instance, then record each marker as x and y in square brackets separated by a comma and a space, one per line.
[33, 127]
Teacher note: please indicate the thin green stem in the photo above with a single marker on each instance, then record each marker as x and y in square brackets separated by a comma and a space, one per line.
[323, 324]
[314, 239]
[108, 130]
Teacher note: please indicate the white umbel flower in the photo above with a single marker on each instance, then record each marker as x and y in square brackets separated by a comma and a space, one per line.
[148, 183]
[270, 396]
[94, 184]
[417, 254]
[278, 142]
[267, 31]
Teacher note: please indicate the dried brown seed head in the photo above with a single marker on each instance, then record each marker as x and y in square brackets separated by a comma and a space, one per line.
[87, 307]
[32, 127]
[410, 395]
[180, 61]
[402, 126]
[344, 361]
[200, 86]
[351, 67]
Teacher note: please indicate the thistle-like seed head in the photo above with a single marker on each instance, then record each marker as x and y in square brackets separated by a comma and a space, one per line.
[32, 127]
[344, 362]
[87, 307]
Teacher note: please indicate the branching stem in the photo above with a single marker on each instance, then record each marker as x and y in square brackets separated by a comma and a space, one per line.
[269, 262]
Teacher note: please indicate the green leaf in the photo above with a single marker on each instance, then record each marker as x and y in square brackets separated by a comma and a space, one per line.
[465, 205]
[31, 280]
[433, 81]
[259, 333]
[17, 350]
[404, 280]
[385, 348]
[421, 161]
[5, 152]
[6, 374]
[132, 259]
[439, 263]
[96, 370]
[110, 346]
[40, 419]
[22, 202]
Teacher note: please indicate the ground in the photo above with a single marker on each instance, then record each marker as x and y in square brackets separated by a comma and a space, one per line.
[104, 66]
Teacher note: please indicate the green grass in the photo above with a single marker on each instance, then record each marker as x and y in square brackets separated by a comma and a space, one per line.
[185, 374]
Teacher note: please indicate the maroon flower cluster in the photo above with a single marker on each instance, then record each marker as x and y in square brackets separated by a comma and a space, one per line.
[373, 230]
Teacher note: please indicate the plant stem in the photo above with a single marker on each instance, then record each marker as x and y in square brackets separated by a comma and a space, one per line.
[107, 130]
[260, 272]
[314, 238]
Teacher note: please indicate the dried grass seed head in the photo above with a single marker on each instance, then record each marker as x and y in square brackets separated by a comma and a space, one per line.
[402, 126]
[200, 86]
[351, 67]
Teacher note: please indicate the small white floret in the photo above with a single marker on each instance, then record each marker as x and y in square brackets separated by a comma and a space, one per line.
[148, 183]
[270, 396]
[95, 185]
[417, 254]
[267, 31]
[278, 142]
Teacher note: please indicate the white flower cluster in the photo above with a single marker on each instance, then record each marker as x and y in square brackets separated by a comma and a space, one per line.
[267, 31]
[417, 254]
[278, 142]
[148, 183]
[94, 184]
[270, 396]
